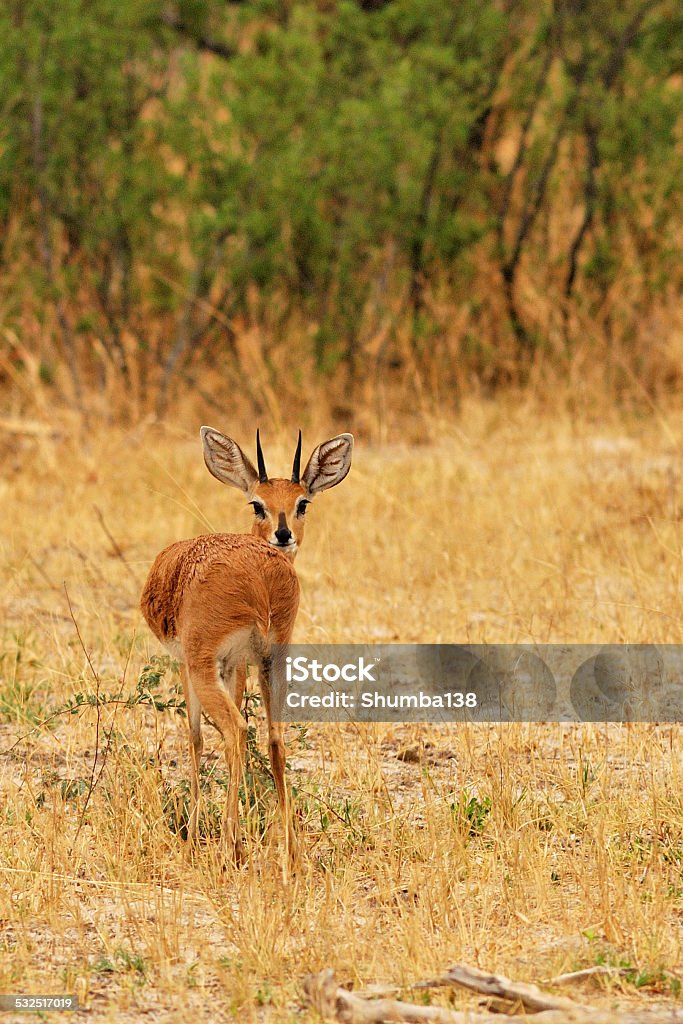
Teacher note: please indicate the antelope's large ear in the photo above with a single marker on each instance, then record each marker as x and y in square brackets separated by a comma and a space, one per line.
[329, 464]
[226, 461]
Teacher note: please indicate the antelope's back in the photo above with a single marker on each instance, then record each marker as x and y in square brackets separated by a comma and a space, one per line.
[218, 583]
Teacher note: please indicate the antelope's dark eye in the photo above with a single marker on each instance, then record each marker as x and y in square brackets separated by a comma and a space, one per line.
[301, 507]
[259, 510]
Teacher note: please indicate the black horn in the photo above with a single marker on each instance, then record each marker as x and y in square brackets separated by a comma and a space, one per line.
[262, 472]
[296, 468]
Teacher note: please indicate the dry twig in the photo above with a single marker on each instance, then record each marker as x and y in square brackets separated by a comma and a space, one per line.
[116, 547]
[587, 972]
[496, 986]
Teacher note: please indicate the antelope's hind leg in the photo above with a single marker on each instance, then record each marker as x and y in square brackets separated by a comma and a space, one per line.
[222, 710]
[278, 759]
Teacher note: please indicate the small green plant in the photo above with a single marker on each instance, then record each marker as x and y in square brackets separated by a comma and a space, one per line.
[264, 994]
[122, 961]
[332, 815]
[471, 813]
[18, 704]
[588, 774]
[152, 676]
[176, 804]
[71, 789]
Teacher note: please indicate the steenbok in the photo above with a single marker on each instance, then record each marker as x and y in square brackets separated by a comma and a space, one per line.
[221, 600]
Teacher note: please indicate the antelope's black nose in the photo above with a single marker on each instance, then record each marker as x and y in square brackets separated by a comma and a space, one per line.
[283, 535]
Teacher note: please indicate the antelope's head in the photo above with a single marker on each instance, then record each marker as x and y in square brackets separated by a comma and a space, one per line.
[279, 505]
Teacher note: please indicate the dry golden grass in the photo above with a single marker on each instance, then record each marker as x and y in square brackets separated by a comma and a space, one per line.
[525, 849]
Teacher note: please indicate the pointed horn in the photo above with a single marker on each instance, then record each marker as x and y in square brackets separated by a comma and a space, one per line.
[296, 468]
[262, 473]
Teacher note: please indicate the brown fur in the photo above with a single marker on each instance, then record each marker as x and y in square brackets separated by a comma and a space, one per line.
[225, 581]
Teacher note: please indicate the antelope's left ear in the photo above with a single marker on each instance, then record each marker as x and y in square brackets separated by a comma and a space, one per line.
[226, 461]
[329, 464]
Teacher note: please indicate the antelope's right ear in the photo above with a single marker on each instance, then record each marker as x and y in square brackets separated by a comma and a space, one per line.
[329, 464]
[226, 461]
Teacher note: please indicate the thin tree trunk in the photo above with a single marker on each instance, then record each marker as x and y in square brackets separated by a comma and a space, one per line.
[590, 196]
